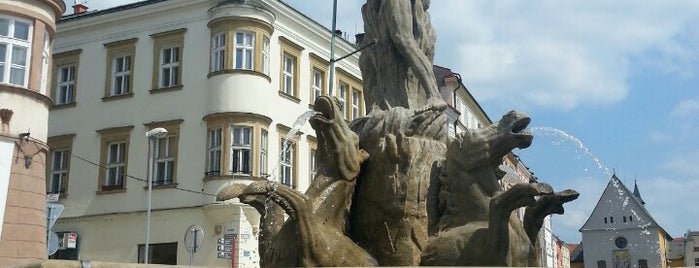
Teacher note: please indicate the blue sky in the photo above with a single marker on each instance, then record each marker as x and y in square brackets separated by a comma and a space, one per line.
[620, 76]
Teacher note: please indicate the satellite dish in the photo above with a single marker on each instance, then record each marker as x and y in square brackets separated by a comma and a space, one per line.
[52, 246]
[193, 238]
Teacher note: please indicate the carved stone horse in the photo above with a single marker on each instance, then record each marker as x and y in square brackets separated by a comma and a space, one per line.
[315, 234]
[474, 223]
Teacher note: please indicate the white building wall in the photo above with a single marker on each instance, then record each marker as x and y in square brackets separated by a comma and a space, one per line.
[691, 248]
[640, 246]
[110, 226]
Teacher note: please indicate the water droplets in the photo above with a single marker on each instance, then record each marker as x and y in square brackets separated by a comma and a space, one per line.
[565, 137]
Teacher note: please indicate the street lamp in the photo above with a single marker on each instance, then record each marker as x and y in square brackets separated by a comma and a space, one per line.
[151, 135]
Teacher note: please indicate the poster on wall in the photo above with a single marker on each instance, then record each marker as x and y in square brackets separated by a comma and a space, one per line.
[622, 259]
[6, 151]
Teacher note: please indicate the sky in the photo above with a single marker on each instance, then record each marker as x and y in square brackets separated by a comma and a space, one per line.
[620, 77]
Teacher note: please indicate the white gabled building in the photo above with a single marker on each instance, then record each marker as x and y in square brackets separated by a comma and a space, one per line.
[226, 78]
[620, 232]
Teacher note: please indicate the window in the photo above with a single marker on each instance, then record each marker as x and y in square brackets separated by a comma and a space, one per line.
[244, 50]
[241, 150]
[642, 263]
[218, 52]
[355, 104]
[611, 219]
[317, 86]
[286, 165]
[289, 78]
[114, 158]
[631, 218]
[65, 84]
[59, 172]
[116, 166]
[342, 96]
[164, 161]
[120, 56]
[314, 164]
[624, 219]
[696, 249]
[240, 44]
[696, 261]
[214, 157]
[319, 68]
[169, 66]
[65, 77]
[165, 253]
[289, 63]
[45, 63]
[59, 164]
[265, 55]
[165, 152]
[263, 152]
[167, 58]
[244, 137]
[601, 264]
[121, 75]
[349, 93]
[15, 43]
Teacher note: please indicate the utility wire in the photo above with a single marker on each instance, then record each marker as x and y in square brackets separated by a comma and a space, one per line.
[125, 175]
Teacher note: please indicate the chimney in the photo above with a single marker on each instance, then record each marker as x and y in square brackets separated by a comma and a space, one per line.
[338, 33]
[358, 39]
[79, 9]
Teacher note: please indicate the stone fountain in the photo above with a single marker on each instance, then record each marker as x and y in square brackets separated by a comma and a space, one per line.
[393, 189]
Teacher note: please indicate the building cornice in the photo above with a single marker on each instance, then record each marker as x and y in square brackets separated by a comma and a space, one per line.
[48, 102]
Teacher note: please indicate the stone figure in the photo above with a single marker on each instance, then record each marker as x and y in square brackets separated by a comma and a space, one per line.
[392, 189]
[474, 220]
[398, 68]
[316, 233]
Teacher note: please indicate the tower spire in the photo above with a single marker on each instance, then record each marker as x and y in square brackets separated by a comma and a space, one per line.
[637, 193]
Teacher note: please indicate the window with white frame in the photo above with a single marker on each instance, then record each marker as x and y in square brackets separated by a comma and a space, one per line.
[263, 153]
[15, 43]
[65, 84]
[288, 74]
[214, 157]
[265, 55]
[218, 52]
[341, 95]
[121, 75]
[169, 66]
[314, 164]
[244, 50]
[116, 162]
[241, 150]
[355, 104]
[317, 86]
[45, 64]
[59, 172]
[286, 165]
[164, 161]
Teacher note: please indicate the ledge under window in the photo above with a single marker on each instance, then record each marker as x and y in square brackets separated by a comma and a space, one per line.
[162, 186]
[166, 89]
[289, 97]
[63, 106]
[116, 191]
[208, 178]
[118, 97]
[239, 71]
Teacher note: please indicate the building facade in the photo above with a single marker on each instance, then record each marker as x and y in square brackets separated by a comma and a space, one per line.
[227, 79]
[691, 255]
[27, 31]
[621, 232]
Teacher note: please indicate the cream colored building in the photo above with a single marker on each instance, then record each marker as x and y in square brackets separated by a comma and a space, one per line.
[27, 31]
[227, 79]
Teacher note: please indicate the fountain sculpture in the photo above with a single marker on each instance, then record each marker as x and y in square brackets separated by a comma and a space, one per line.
[393, 189]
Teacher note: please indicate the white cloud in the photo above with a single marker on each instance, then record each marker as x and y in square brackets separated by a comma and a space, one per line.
[558, 54]
[686, 107]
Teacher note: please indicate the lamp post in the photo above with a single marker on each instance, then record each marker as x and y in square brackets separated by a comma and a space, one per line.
[151, 135]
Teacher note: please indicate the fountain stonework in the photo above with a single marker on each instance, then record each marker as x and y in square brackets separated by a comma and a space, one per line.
[392, 188]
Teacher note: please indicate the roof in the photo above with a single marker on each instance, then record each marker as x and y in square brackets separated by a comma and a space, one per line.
[88, 14]
[576, 255]
[441, 72]
[615, 186]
